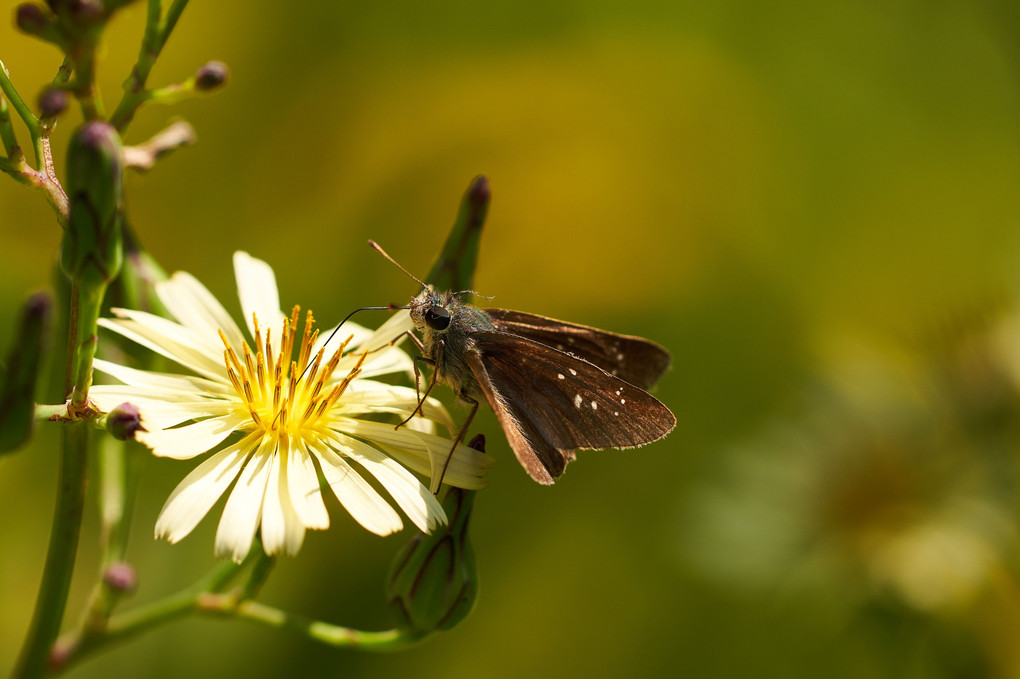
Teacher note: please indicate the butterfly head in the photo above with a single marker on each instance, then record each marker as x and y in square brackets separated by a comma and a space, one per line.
[432, 311]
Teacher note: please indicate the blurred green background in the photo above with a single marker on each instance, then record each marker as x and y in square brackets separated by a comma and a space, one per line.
[814, 206]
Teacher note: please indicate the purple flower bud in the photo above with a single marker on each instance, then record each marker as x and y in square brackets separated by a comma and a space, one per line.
[86, 12]
[52, 102]
[121, 576]
[124, 422]
[211, 75]
[31, 19]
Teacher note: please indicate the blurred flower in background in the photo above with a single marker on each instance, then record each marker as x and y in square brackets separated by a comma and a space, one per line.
[294, 415]
[894, 489]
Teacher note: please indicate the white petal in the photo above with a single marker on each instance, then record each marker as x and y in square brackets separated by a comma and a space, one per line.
[200, 362]
[164, 382]
[422, 451]
[199, 491]
[356, 495]
[367, 396]
[193, 305]
[464, 470]
[156, 413]
[190, 440]
[418, 503]
[303, 482]
[201, 340]
[282, 530]
[395, 328]
[381, 432]
[256, 288]
[243, 511]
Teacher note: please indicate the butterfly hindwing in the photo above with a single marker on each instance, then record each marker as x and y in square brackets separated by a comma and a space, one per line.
[551, 403]
[634, 359]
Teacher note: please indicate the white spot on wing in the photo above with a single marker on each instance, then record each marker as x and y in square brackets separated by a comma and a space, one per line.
[594, 405]
[616, 413]
[577, 401]
[619, 357]
[573, 372]
[560, 376]
[622, 401]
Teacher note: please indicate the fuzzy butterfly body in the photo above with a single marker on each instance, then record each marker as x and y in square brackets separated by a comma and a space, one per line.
[555, 387]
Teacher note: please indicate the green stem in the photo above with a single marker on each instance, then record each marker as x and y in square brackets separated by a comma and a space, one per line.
[7, 134]
[172, 15]
[323, 632]
[84, 86]
[56, 580]
[118, 479]
[157, 31]
[24, 112]
[71, 649]
[86, 303]
[15, 169]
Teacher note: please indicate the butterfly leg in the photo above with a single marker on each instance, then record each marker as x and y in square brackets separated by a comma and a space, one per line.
[460, 436]
[406, 333]
[417, 380]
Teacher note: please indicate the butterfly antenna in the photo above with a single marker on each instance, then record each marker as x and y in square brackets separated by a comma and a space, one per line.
[394, 263]
[388, 307]
[474, 293]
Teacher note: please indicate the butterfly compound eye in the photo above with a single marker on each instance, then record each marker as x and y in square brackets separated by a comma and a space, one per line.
[437, 318]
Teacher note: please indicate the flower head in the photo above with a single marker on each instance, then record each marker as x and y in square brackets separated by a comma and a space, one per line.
[279, 411]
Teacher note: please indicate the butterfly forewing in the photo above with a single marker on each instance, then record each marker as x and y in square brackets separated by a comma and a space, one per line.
[551, 403]
[633, 359]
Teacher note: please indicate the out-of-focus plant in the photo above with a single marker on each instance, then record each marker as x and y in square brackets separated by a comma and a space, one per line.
[103, 262]
[892, 496]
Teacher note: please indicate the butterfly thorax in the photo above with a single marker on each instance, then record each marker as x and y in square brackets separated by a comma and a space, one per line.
[445, 346]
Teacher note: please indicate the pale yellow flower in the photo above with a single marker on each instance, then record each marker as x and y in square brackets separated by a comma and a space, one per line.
[274, 432]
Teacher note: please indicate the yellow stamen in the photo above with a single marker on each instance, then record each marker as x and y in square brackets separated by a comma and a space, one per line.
[270, 385]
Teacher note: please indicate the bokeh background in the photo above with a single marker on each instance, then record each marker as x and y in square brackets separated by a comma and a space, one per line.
[815, 206]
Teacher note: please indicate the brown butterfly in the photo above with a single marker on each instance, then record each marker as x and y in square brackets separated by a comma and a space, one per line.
[556, 387]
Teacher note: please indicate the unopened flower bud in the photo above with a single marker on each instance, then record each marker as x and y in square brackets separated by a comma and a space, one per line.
[31, 19]
[91, 251]
[479, 195]
[52, 102]
[85, 12]
[121, 576]
[17, 391]
[211, 75]
[124, 422]
[433, 581]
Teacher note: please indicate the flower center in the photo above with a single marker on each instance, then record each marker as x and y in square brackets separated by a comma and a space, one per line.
[283, 395]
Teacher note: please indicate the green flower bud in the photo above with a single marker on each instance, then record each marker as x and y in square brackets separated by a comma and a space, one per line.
[433, 581]
[17, 393]
[91, 251]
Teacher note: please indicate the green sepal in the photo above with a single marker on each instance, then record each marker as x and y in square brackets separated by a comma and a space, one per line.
[17, 393]
[433, 581]
[454, 268]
